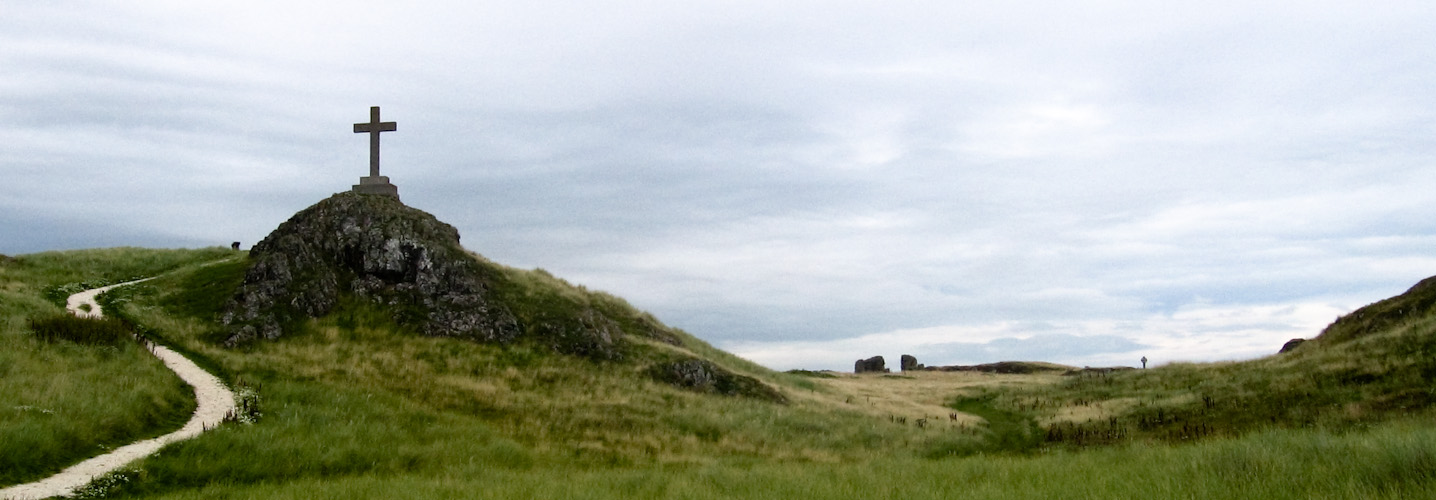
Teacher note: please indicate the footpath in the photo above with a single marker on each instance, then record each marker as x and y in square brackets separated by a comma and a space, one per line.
[214, 402]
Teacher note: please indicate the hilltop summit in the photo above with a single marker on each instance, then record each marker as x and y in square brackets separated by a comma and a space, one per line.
[354, 249]
[376, 249]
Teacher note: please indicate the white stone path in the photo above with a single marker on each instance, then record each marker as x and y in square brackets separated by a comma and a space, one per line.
[214, 398]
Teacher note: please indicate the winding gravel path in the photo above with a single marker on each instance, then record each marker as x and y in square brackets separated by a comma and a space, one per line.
[215, 401]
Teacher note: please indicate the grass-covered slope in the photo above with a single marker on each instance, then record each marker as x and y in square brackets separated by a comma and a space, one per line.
[355, 404]
[1374, 365]
[1415, 304]
[61, 400]
[355, 394]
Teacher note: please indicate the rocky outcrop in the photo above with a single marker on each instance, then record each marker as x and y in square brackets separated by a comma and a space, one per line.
[1291, 344]
[909, 363]
[703, 376]
[874, 364]
[375, 249]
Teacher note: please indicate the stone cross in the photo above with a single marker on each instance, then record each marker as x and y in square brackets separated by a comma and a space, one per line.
[375, 183]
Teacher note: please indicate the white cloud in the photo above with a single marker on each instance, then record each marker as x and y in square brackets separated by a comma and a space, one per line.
[788, 179]
[1196, 332]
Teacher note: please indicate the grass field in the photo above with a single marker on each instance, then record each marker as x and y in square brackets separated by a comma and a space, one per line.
[1395, 461]
[355, 408]
[61, 401]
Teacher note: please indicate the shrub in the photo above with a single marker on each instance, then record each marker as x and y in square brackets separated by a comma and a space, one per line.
[86, 331]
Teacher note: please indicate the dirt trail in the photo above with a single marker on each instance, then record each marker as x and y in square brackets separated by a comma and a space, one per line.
[214, 398]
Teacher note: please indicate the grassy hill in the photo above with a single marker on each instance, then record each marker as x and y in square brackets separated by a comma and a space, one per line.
[356, 406]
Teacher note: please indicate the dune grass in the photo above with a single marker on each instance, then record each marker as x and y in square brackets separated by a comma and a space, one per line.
[62, 400]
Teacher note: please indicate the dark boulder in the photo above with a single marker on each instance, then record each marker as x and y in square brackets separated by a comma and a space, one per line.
[873, 364]
[909, 363]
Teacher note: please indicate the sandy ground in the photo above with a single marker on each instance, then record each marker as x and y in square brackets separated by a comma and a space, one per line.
[215, 401]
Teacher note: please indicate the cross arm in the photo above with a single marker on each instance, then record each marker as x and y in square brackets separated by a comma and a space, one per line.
[363, 128]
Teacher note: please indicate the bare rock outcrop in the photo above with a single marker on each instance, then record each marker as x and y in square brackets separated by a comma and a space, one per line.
[1290, 345]
[909, 363]
[704, 376]
[874, 364]
[375, 249]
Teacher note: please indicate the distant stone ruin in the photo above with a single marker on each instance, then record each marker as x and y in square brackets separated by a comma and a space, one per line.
[875, 364]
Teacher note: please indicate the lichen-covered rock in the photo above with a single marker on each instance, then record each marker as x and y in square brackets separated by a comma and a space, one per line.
[376, 249]
[703, 376]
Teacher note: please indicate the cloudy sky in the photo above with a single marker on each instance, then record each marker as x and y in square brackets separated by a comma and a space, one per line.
[802, 183]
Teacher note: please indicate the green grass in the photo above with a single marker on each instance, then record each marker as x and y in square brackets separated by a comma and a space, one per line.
[1393, 461]
[65, 327]
[1005, 431]
[62, 401]
[1376, 377]
[354, 407]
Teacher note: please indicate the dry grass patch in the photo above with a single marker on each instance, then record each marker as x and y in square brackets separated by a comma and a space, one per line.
[917, 395]
[1096, 410]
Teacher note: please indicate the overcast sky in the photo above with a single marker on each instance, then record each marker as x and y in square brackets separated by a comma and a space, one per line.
[802, 183]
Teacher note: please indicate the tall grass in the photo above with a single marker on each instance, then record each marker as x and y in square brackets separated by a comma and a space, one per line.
[1380, 376]
[350, 396]
[1393, 461]
[81, 330]
[353, 408]
[61, 402]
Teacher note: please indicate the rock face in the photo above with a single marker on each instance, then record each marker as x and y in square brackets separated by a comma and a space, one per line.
[909, 363]
[873, 364]
[703, 376]
[1290, 344]
[373, 248]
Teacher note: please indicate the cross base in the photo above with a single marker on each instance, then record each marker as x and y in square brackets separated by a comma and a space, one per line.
[378, 184]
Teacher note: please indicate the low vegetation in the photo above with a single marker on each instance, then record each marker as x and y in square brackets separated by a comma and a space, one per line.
[355, 406]
[106, 331]
[70, 388]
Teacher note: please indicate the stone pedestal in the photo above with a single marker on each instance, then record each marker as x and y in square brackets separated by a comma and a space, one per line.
[378, 184]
